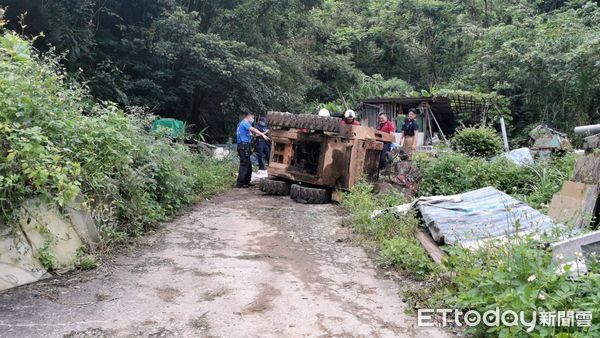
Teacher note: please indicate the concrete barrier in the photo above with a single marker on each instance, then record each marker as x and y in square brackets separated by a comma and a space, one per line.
[43, 238]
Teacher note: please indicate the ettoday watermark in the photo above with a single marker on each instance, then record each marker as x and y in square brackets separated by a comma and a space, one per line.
[497, 317]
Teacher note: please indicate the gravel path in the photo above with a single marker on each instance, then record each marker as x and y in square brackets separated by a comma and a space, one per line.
[239, 265]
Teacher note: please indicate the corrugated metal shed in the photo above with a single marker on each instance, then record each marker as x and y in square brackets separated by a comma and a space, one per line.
[397, 108]
[483, 214]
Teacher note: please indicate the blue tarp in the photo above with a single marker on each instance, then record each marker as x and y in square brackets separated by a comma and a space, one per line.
[482, 214]
[521, 156]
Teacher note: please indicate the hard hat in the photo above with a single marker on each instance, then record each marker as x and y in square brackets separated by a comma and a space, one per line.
[349, 113]
[324, 112]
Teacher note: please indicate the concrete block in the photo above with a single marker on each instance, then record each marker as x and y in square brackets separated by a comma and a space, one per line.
[18, 266]
[83, 222]
[587, 244]
[46, 229]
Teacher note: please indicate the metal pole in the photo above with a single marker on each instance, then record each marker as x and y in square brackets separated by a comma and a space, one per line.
[430, 128]
[485, 112]
[438, 125]
[425, 119]
[504, 135]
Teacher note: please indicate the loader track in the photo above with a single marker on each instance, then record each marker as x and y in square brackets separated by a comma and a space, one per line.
[304, 121]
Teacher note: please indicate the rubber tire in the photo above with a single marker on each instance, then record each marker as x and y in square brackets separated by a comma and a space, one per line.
[308, 195]
[274, 187]
[308, 121]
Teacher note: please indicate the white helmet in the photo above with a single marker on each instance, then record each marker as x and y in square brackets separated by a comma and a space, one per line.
[324, 112]
[350, 113]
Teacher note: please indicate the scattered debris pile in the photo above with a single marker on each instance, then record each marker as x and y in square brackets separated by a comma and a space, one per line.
[475, 217]
[399, 174]
[472, 218]
[547, 141]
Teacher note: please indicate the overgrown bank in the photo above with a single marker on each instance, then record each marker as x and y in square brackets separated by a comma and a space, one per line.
[56, 141]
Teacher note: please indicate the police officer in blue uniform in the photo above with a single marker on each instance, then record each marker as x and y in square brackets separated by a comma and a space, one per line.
[244, 131]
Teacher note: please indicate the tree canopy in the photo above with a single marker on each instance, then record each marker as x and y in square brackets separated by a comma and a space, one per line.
[206, 61]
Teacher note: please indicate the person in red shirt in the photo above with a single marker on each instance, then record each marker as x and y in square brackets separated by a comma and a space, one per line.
[350, 118]
[386, 126]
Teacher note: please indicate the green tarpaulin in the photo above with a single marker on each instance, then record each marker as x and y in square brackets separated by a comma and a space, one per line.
[176, 127]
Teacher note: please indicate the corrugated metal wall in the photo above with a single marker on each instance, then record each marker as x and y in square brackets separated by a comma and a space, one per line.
[371, 113]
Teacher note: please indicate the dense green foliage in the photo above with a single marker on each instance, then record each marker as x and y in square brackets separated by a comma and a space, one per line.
[520, 276]
[454, 173]
[206, 61]
[479, 142]
[516, 274]
[57, 142]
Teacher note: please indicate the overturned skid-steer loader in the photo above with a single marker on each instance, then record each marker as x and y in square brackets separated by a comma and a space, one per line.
[313, 156]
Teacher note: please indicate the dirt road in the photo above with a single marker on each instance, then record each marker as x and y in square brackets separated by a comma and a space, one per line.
[239, 265]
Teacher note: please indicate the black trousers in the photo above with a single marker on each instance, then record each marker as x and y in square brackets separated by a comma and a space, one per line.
[263, 149]
[387, 147]
[245, 172]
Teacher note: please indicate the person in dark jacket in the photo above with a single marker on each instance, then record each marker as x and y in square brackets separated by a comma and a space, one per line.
[410, 133]
[264, 146]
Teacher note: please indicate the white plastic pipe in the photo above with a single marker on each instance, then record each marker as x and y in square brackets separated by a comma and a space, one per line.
[588, 130]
